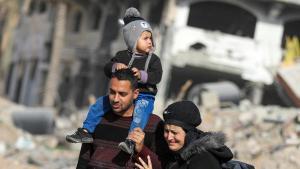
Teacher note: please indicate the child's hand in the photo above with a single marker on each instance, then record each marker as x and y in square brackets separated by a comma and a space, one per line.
[136, 73]
[121, 66]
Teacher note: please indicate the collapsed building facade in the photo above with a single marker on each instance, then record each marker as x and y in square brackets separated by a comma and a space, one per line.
[241, 42]
[60, 47]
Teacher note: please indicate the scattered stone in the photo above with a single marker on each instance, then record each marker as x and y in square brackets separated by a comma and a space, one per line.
[2, 148]
[265, 136]
[25, 143]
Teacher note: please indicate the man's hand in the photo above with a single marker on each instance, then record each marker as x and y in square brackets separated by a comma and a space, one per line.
[138, 136]
[121, 66]
[136, 72]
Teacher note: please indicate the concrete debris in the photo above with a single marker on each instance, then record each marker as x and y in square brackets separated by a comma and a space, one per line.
[254, 147]
[35, 120]
[25, 143]
[9, 163]
[246, 118]
[265, 136]
[2, 148]
[288, 78]
[20, 149]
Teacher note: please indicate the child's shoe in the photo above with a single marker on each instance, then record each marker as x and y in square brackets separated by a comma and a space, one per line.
[80, 136]
[127, 146]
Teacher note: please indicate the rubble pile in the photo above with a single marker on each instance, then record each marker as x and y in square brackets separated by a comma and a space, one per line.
[265, 136]
[22, 150]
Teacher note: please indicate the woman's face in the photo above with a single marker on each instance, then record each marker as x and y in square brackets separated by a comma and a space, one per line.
[174, 137]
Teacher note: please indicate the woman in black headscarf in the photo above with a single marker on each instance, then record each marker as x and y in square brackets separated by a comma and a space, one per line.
[190, 148]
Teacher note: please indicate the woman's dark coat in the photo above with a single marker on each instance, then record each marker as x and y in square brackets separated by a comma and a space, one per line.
[206, 151]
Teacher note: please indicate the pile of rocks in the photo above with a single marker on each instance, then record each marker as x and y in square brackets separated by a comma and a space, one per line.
[21, 150]
[265, 136]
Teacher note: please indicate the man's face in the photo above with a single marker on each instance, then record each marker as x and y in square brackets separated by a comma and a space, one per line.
[121, 96]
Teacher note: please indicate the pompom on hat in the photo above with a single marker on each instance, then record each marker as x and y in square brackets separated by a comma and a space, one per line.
[184, 114]
[134, 26]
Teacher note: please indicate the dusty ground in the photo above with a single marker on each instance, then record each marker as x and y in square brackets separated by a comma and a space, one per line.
[21, 150]
[265, 136]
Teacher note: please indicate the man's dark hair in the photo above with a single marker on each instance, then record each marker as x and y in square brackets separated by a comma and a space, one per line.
[126, 74]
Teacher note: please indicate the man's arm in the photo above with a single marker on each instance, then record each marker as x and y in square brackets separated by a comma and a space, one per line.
[156, 148]
[138, 136]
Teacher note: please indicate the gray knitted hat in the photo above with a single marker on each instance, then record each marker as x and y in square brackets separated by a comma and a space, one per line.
[134, 26]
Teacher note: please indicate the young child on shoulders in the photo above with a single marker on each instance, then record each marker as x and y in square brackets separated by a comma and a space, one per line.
[145, 65]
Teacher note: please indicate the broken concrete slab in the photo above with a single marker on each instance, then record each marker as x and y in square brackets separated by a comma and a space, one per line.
[38, 120]
[289, 79]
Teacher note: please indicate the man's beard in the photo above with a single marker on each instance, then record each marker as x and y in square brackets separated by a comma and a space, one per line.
[125, 109]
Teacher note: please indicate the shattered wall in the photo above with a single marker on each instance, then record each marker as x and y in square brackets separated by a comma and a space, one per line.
[27, 69]
[92, 36]
[248, 47]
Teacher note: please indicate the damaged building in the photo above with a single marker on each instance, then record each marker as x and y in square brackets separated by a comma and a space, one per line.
[53, 53]
[233, 47]
[60, 48]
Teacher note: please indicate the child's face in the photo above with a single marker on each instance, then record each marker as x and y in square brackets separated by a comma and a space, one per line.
[144, 43]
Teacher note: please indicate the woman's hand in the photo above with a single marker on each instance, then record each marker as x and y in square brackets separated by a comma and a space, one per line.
[143, 165]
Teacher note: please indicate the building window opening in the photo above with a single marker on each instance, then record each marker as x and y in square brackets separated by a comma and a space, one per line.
[198, 46]
[32, 7]
[291, 29]
[77, 22]
[96, 15]
[156, 12]
[42, 7]
[34, 64]
[224, 17]
[111, 29]
[19, 83]
[291, 41]
[9, 78]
